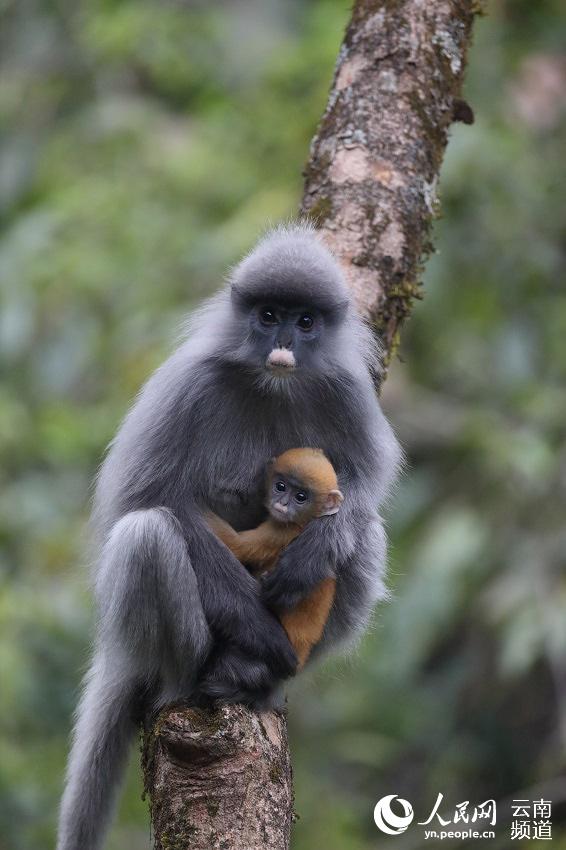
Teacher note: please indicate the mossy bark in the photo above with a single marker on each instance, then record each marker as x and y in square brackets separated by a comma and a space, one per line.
[222, 780]
[374, 163]
[218, 779]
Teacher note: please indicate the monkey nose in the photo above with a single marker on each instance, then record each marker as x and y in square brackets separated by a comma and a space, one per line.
[281, 358]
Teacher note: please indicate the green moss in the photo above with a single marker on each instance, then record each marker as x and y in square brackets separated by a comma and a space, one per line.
[179, 833]
[212, 807]
[320, 211]
[178, 839]
[209, 721]
[397, 307]
[479, 7]
[435, 133]
[317, 168]
[276, 773]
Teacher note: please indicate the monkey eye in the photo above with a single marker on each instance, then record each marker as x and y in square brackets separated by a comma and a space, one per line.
[301, 497]
[267, 316]
[306, 322]
[280, 486]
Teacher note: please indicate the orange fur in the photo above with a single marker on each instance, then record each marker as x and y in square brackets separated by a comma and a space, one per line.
[259, 548]
[305, 623]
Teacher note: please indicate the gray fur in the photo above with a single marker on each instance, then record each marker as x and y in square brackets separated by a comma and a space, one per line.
[200, 435]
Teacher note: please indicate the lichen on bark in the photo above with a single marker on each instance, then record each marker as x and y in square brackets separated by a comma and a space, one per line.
[218, 779]
[372, 174]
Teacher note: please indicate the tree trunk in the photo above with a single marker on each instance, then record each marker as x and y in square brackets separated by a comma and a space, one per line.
[218, 779]
[222, 779]
[374, 163]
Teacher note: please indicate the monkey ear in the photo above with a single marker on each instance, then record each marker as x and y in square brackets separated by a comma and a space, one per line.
[332, 503]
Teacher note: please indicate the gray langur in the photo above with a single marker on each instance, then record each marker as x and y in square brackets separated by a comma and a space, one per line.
[278, 359]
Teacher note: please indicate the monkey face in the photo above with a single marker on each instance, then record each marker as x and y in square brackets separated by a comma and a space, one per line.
[283, 339]
[291, 301]
[286, 335]
[289, 501]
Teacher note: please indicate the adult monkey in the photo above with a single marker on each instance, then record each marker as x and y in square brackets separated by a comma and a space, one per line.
[278, 359]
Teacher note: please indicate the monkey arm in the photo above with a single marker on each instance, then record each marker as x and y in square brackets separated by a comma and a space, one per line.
[224, 531]
[317, 552]
[231, 598]
[359, 586]
[306, 562]
[256, 548]
[305, 623]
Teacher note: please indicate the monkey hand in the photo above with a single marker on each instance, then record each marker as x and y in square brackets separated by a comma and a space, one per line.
[233, 677]
[259, 635]
[237, 615]
[270, 644]
[299, 569]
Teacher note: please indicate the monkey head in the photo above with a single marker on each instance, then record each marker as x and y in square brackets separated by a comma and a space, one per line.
[302, 485]
[291, 300]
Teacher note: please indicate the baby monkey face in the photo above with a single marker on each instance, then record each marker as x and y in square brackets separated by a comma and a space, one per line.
[301, 485]
[289, 500]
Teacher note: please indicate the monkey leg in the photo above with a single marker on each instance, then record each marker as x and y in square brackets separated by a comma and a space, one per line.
[149, 599]
[305, 623]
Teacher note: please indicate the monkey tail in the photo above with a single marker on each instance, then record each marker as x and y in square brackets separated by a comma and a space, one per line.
[104, 730]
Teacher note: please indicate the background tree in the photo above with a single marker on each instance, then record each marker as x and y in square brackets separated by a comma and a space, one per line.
[143, 149]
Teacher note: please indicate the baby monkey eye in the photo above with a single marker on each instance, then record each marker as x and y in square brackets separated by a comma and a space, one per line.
[280, 486]
[267, 316]
[301, 497]
[306, 322]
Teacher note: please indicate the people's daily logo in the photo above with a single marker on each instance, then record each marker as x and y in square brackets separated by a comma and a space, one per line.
[530, 819]
[389, 821]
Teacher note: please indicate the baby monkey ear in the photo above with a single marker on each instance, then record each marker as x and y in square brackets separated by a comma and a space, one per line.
[332, 503]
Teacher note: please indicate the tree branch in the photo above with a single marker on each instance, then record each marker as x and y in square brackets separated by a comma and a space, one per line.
[374, 163]
[218, 779]
[223, 779]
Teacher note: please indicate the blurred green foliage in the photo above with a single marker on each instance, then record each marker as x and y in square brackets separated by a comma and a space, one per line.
[143, 147]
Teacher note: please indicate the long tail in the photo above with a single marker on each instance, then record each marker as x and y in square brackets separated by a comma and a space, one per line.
[152, 632]
[104, 730]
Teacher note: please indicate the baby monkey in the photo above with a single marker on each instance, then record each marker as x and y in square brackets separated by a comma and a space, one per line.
[301, 485]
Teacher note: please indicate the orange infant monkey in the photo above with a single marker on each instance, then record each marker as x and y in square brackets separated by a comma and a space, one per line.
[301, 485]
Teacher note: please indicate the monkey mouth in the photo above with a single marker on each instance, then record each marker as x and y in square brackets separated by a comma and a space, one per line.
[281, 361]
[279, 510]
